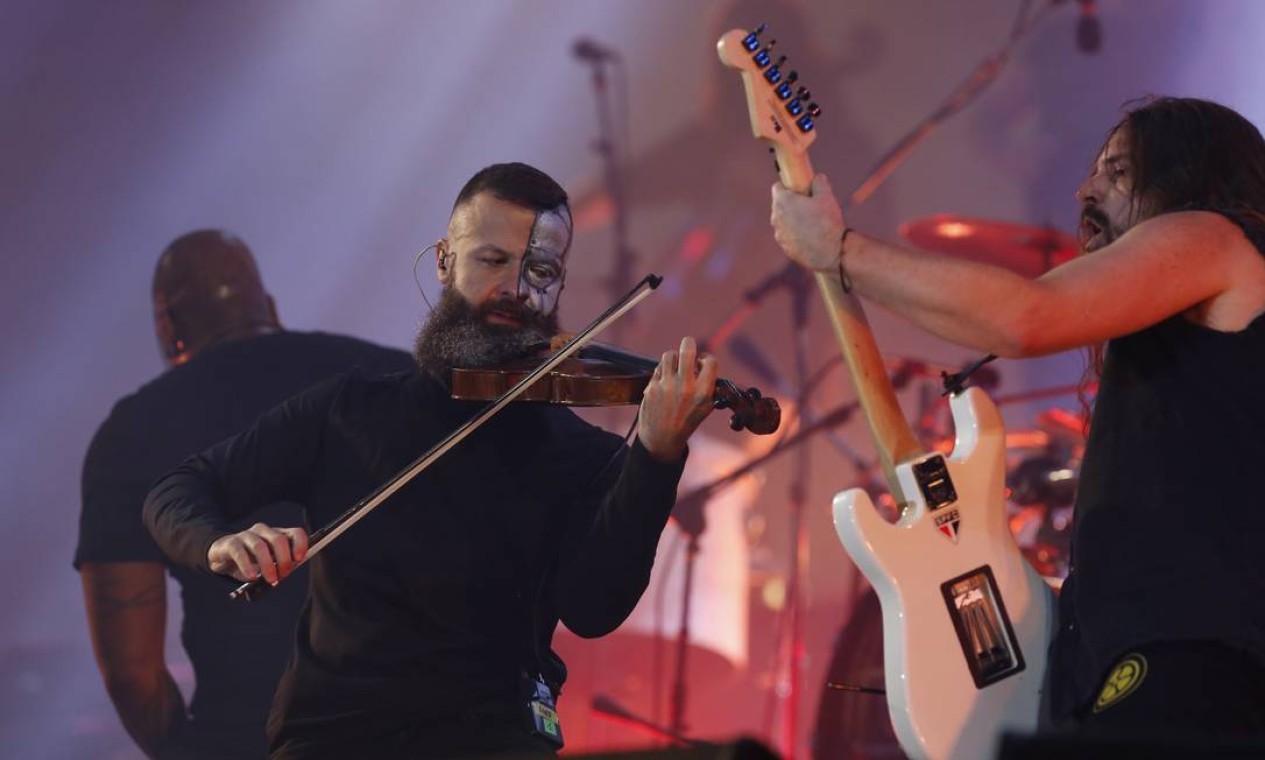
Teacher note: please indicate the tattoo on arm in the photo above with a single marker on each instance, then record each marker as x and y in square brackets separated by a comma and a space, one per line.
[115, 597]
[126, 604]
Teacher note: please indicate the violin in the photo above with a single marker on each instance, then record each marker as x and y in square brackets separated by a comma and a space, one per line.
[601, 375]
[758, 413]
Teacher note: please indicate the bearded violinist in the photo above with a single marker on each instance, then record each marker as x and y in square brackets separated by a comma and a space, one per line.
[428, 625]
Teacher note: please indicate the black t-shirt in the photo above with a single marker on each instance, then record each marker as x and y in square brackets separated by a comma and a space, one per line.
[423, 610]
[1169, 515]
[237, 651]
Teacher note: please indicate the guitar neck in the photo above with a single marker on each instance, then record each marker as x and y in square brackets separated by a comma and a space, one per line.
[893, 439]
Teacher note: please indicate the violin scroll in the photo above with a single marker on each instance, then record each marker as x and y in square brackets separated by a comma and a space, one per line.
[750, 410]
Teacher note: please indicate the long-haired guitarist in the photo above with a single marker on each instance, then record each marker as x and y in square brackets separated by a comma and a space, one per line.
[1162, 618]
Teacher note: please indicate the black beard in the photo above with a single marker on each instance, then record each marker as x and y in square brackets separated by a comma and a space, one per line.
[457, 334]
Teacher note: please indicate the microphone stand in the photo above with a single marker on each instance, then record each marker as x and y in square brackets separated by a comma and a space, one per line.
[689, 516]
[625, 259]
[790, 629]
[835, 417]
[692, 521]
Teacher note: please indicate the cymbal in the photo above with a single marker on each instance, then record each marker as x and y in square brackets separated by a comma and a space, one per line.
[1028, 250]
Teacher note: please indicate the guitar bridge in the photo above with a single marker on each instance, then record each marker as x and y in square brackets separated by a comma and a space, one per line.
[983, 627]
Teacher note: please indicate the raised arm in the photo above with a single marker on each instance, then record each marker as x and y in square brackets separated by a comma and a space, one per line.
[1162, 266]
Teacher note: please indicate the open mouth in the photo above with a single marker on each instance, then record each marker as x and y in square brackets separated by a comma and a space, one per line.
[1090, 231]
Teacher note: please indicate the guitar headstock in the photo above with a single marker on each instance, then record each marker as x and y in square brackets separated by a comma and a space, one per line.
[781, 110]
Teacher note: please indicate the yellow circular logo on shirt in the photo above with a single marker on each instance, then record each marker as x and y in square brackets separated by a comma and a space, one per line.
[1123, 680]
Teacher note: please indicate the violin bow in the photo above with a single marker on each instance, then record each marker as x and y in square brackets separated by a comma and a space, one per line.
[252, 590]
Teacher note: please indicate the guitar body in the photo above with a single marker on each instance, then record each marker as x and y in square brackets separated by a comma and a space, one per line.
[938, 708]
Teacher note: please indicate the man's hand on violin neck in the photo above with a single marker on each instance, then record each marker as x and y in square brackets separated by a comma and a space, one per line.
[259, 551]
[677, 399]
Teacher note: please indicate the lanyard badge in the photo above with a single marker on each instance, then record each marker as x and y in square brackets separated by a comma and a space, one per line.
[542, 713]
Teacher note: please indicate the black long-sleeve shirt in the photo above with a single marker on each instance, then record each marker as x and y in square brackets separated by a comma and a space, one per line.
[424, 609]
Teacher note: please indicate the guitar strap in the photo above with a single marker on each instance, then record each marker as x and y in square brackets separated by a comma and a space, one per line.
[956, 383]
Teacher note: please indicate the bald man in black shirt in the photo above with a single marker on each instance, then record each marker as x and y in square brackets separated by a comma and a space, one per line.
[228, 361]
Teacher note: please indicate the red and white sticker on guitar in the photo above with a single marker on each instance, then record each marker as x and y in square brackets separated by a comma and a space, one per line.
[947, 524]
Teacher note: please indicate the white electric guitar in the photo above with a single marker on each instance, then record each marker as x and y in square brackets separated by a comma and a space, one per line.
[966, 619]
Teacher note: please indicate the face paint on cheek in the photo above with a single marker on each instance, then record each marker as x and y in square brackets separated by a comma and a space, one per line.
[543, 267]
[546, 299]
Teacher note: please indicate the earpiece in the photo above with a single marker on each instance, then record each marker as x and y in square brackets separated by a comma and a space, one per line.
[173, 347]
[442, 254]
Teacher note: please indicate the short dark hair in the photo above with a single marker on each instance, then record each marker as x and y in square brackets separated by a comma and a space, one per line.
[517, 183]
[1188, 153]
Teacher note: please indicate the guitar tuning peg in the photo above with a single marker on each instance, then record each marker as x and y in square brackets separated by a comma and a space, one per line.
[814, 110]
[780, 61]
[803, 94]
[752, 41]
[792, 77]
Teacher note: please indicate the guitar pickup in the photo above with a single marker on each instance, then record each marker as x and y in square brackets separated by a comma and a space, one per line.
[934, 483]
